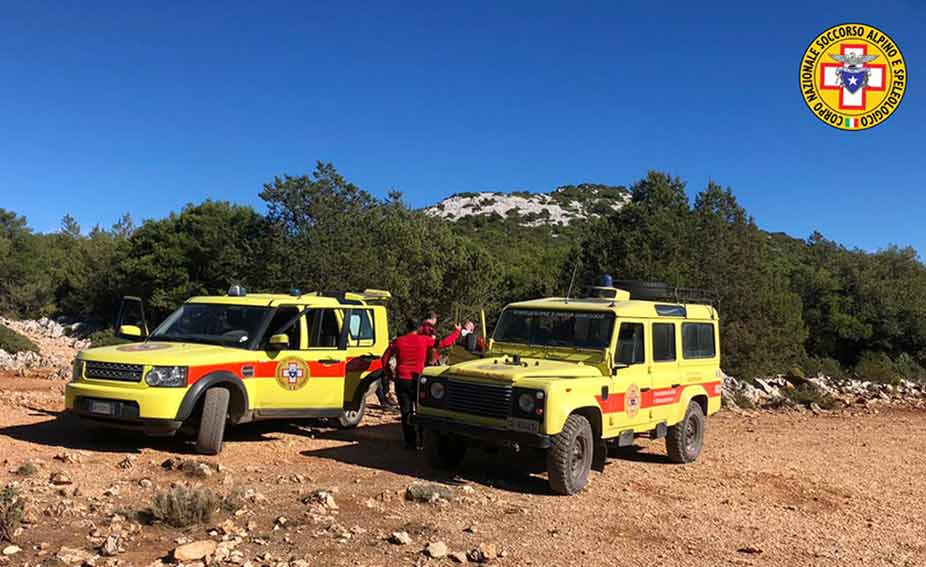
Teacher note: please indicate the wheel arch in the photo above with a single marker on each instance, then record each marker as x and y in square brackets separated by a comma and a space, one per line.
[353, 404]
[595, 419]
[238, 404]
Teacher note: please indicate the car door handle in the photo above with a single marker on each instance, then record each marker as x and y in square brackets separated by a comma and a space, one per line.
[329, 361]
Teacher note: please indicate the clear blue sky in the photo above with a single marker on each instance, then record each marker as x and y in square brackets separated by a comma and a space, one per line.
[142, 107]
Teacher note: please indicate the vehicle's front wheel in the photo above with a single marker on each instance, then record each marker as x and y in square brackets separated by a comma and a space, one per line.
[444, 451]
[352, 418]
[686, 438]
[569, 460]
[212, 423]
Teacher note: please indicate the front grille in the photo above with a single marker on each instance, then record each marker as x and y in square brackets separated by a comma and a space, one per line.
[487, 400]
[113, 371]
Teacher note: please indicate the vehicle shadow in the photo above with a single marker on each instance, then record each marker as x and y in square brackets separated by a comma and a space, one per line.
[636, 453]
[379, 447]
[66, 431]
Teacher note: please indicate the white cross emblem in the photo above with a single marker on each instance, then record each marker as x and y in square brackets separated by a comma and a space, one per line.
[829, 78]
[293, 372]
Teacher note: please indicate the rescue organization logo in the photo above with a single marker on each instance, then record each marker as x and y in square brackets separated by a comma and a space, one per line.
[632, 400]
[292, 374]
[853, 76]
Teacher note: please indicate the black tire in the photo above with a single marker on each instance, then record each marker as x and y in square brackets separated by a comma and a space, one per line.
[685, 439]
[569, 460]
[212, 423]
[351, 419]
[444, 451]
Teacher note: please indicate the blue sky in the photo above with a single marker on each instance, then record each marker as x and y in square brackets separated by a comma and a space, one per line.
[142, 107]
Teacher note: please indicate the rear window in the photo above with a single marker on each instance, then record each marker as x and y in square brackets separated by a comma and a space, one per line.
[663, 342]
[698, 340]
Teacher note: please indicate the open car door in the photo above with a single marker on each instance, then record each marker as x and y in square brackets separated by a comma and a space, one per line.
[131, 323]
[473, 345]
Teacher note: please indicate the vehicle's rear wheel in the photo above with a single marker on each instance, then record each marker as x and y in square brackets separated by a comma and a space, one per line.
[686, 438]
[352, 418]
[444, 451]
[212, 423]
[569, 460]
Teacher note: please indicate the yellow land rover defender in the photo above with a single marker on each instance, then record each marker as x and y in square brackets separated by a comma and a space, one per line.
[571, 377]
[231, 359]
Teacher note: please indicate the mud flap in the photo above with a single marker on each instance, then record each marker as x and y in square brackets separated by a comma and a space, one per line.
[600, 456]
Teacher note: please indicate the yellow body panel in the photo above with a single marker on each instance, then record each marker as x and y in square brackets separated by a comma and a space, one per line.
[574, 379]
[327, 377]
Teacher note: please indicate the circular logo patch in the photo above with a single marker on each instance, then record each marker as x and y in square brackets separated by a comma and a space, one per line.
[853, 76]
[632, 400]
[292, 374]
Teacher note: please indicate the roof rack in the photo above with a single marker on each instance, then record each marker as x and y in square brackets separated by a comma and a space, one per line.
[661, 291]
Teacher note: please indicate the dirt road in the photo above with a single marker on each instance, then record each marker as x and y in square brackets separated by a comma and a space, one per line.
[771, 489]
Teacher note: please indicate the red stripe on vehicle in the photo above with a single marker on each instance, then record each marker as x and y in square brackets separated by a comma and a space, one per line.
[267, 369]
[655, 398]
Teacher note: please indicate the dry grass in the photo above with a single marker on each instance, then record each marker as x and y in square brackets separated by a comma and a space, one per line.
[11, 512]
[182, 506]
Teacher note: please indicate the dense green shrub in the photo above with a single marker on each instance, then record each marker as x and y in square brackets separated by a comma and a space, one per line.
[106, 337]
[13, 342]
[877, 367]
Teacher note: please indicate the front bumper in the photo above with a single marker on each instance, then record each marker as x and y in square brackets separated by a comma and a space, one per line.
[151, 410]
[488, 434]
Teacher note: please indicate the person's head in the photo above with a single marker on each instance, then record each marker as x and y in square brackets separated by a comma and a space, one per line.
[469, 326]
[411, 325]
[430, 318]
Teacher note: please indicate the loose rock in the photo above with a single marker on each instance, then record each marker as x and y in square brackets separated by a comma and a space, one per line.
[436, 550]
[400, 538]
[195, 551]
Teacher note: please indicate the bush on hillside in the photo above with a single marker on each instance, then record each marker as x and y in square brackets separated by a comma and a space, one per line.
[877, 367]
[12, 342]
[106, 337]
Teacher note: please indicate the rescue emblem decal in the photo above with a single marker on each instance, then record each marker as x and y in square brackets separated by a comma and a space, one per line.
[292, 374]
[632, 400]
[853, 76]
[143, 347]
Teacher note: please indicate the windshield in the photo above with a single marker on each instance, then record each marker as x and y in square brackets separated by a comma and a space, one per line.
[578, 329]
[212, 323]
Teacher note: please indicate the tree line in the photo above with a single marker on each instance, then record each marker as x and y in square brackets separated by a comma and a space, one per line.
[809, 305]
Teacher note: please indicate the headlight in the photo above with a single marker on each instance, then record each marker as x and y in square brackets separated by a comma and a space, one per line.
[526, 402]
[77, 370]
[166, 376]
[437, 390]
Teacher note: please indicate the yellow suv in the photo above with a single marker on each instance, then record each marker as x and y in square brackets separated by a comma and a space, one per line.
[567, 378]
[237, 358]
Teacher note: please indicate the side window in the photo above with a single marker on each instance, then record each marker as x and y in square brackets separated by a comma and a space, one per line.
[698, 340]
[360, 328]
[630, 344]
[663, 342]
[284, 322]
[325, 331]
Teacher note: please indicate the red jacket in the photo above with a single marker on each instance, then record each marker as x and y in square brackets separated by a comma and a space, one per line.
[411, 352]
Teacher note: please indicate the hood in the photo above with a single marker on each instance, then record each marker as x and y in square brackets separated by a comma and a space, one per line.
[165, 353]
[501, 368]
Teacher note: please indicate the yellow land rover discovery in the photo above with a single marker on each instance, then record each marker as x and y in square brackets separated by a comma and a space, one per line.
[570, 377]
[237, 358]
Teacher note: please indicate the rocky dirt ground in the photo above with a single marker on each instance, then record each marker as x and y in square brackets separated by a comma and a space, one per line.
[780, 488]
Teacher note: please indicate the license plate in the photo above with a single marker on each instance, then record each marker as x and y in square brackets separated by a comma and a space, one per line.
[102, 408]
[525, 425]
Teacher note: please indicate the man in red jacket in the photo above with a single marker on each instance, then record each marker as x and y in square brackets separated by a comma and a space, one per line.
[411, 354]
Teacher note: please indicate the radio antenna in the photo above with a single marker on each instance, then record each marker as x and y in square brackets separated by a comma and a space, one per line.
[571, 282]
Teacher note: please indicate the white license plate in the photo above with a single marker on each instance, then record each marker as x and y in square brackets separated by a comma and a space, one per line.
[525, 425]
[102, 408]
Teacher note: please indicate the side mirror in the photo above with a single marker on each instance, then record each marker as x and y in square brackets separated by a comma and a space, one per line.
[130, 331]
[279, 342]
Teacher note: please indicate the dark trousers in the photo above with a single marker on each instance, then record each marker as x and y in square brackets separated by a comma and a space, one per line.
[382, 391]
[406, 392]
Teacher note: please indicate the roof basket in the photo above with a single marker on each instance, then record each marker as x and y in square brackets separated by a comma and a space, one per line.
[660, 291]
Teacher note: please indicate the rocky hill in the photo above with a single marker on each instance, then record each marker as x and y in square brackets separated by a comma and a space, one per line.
[562, 206]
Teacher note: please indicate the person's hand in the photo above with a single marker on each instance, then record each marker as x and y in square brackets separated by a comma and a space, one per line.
[457, 327]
